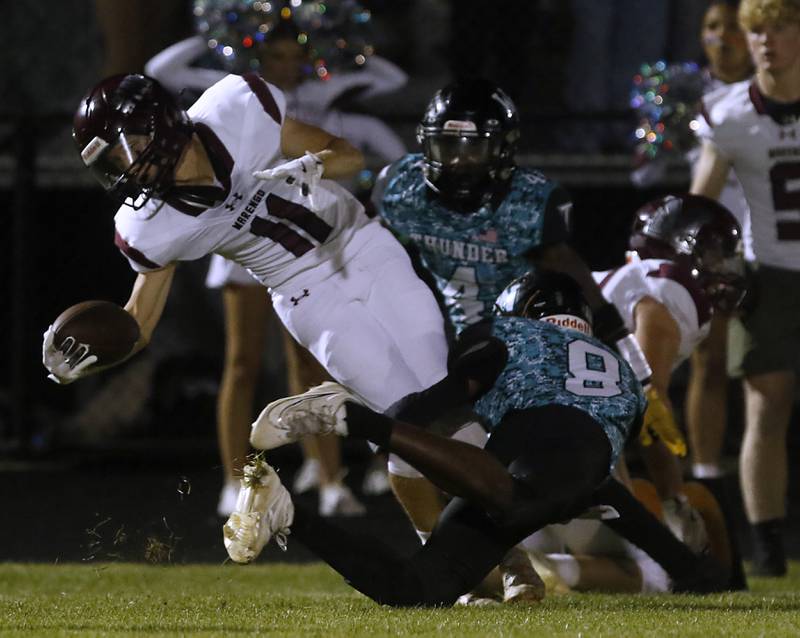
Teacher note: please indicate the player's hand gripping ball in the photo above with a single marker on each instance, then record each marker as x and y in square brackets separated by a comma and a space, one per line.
[660, 424]
[305, 172]
[86, 338]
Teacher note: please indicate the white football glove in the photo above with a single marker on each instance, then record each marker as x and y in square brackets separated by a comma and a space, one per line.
[305, 171]
[68, 361]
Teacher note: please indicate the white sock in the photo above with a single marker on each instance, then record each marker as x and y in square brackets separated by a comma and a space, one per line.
[707, 470]
[566, 567]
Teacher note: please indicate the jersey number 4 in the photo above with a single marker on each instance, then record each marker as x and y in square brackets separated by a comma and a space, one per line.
[461, 294]
[594, 371]
[282, 233]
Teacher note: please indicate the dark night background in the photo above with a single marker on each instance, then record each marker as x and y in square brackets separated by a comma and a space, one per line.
[143, 464]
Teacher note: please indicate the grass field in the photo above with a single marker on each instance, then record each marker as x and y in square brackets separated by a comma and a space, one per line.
[311, 600]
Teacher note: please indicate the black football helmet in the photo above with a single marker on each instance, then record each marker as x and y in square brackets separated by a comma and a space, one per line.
[700, 235]
[551, 296]
[468, 135]
[131, 133]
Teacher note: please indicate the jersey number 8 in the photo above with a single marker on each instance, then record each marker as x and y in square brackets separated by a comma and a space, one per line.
[594, 371]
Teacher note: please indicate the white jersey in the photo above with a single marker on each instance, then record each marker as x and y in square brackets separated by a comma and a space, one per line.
[310, 103]
[732, 196]
[266, 226]
[765, 155]
[660, 279]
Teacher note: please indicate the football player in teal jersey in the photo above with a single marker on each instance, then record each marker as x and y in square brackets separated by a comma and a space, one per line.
[477, 219]
[558, 404]
[478, 222]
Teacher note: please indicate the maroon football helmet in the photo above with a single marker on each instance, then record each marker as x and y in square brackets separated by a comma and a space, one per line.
[699, 234]
[131, 133]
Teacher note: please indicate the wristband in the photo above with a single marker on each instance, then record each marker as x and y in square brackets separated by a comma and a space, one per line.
[630, 350]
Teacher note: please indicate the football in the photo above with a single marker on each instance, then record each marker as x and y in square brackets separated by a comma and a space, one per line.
[108, 330]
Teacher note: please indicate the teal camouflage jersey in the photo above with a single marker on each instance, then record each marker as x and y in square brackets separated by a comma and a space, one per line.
[548, 365]
[473, 256]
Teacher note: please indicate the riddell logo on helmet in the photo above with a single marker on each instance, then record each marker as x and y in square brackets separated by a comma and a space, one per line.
[93, 150]
[569, 321]
[459, 126]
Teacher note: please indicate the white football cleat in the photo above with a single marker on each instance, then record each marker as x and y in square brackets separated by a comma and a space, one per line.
[263, 510]
[319, 410]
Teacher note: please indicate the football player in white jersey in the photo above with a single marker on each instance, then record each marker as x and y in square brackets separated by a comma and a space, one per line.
[215, 180]
[754, 128]
[281, 61]
[686, 263]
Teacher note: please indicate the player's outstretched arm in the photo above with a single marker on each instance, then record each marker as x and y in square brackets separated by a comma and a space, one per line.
[659, 336]
[147, 301]
[69, 359]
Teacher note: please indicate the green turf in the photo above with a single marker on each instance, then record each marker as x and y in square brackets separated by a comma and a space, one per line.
[311, 600]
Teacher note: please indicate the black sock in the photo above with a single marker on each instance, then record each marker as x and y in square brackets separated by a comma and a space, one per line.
[421, 408]
[363, 423]
[721, 490]
[768, 537]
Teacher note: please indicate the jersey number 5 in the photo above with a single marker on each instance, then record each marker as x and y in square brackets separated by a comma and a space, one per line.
[785, 180]
[594, 371]
[283, 233]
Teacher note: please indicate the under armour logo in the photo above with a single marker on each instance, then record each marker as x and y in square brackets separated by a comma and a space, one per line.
[236, 199]
[791, 132]
[296, 300]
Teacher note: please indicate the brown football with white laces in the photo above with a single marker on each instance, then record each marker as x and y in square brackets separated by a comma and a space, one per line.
[108, 329]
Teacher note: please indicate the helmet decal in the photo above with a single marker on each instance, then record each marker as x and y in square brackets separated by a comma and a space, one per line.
[93, 150]
[548, 296]
[458, 126]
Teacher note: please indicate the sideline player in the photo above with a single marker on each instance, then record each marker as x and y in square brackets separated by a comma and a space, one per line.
[753, 127]
[479, 222]
[729, 62]
[211, 181]
[559, 403]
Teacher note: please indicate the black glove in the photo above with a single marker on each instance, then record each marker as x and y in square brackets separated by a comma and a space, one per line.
[479, 356]
[608, 325]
